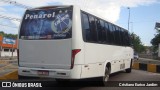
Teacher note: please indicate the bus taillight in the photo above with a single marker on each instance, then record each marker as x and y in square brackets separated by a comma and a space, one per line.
[74, 52]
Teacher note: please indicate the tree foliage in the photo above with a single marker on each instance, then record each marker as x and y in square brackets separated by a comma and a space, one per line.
[155, 41]
[14, 36]
[137, 44]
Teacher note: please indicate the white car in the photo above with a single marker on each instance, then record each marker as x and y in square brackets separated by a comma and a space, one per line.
[136, 57]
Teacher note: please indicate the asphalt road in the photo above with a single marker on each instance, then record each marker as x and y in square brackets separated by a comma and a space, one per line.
[91, 84]
[136, 75]
[7, 67]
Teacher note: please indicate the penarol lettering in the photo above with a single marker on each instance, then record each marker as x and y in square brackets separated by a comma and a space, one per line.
[39, 16]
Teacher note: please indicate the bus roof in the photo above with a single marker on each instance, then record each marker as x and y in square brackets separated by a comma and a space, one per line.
[48, 7]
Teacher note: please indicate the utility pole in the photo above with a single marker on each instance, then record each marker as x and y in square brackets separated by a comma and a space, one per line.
[128, 17]
[131, 27]
[12, 50]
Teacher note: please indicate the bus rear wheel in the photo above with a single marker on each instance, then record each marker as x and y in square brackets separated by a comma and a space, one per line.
[62, 81]
[129, 70]
[105, 78]
[26, 77]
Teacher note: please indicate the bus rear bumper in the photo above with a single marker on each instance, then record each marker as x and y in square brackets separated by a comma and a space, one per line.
[74, 73]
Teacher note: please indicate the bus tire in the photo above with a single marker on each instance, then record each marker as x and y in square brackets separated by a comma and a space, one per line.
[105, 78]
[22, 77]
[26, 77]
[129, 70]
[62, 81]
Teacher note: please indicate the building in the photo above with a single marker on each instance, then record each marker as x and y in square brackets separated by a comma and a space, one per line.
[7, 48]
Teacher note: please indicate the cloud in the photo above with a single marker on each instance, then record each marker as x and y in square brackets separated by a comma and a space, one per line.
[108, 9]
[2, 9]
[35, 3]
[16, 23]
[135, 3]
[2, 4]
[8, 26]
[12, 15]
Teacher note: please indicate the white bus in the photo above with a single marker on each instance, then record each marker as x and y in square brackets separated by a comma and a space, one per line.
[66, 42]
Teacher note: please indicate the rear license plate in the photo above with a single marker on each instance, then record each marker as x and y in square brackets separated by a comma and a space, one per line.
[43, 72]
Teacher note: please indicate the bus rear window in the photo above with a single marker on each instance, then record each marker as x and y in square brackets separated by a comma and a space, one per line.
[53, 23]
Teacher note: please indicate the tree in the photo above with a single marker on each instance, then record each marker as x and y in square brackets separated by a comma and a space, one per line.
[155, 41]
[137, 44]
[14, 36]
[1, 33]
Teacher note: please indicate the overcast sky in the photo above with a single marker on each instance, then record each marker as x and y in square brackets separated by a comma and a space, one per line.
[144, 13]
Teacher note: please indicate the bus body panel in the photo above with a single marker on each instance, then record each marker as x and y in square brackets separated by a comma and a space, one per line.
[41, 43]
[77, 41]
[50, 46]
[45, 54]
[92, 70]
[97, 59]
[74, 73]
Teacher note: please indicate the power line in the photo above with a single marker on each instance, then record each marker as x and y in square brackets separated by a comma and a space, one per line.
[15, 3]
[10, 18]
[7, 26]
[137, 22]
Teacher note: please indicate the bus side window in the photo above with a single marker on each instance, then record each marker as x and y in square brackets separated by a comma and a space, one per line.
[120, 38]
[129, 41]
[108, 34]
[123, 36]
[96, 29]
[115, 35]
[93, 28]
[86, 28]
[111, 33]
[99, 30]
[103, 31]
[127, 38]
